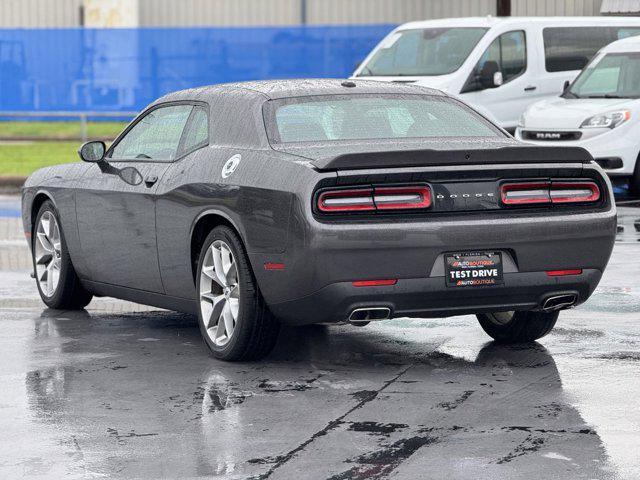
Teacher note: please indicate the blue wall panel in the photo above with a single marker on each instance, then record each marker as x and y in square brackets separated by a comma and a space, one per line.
[125, 69]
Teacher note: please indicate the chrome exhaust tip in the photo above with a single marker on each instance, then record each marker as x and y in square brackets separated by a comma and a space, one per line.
[558, 302]
[369, 314]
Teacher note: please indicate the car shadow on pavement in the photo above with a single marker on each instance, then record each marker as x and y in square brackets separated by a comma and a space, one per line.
[339, 402]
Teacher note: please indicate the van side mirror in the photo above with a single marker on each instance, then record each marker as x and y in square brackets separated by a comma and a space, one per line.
[497, 79]
[567, 84]
[489, 75]
[92, 151]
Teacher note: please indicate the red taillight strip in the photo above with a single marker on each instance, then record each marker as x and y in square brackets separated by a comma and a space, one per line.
[400, 198]
[525, 193]
[371, 199]
[374, 283]
[574, 192]
[346, 200]
[562, 273]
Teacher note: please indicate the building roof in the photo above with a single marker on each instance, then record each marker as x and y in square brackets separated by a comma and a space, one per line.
[620, 6]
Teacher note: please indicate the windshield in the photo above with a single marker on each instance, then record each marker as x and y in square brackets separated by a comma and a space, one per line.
[424, 52]
[369, 117]
[614, 75]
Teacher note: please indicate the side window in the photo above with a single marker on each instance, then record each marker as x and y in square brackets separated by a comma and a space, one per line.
[154, 137]
[571, 48]
[196, 133]
[507, 54]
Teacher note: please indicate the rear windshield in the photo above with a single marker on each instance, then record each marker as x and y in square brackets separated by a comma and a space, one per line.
[371, 117]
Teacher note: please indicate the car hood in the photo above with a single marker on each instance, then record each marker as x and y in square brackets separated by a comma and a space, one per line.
[569, 113]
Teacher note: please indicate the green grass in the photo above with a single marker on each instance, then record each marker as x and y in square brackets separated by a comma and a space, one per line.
[22, 159]
[46, 130]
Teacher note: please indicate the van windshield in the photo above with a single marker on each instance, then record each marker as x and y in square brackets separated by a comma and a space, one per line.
[614, 75]
[423, 52]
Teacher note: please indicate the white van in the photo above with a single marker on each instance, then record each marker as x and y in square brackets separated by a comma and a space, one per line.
[599, 111]
[498, 65]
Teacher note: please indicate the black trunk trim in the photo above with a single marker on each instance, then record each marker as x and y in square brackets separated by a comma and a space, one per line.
[425, 158]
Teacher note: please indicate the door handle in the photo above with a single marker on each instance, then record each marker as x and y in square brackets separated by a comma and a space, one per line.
[530, 88]
[150, 180]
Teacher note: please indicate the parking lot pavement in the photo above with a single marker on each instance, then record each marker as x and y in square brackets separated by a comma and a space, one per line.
[127, 391]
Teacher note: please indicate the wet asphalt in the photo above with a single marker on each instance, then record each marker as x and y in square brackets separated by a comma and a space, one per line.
[125, 391]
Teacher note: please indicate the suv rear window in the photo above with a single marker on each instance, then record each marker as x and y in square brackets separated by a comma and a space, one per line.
[372, 117]
[571, 48]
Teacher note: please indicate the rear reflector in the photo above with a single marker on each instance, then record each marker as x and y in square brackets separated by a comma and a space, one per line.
[562, 273]
[375, 198]
[273, 266]
[374, 283]
[531, 193]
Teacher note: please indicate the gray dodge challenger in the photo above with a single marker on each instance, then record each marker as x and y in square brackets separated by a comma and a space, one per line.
[317, 201]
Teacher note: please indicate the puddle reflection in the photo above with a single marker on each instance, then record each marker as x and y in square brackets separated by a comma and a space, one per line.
[166, 408]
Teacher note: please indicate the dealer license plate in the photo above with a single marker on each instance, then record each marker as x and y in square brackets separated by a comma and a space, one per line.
[473, 269]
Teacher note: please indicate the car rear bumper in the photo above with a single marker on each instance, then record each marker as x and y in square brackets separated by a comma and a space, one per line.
[429, 297]
[315, 281]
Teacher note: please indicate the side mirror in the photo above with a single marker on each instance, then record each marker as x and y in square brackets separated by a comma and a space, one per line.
[489, 74]
[497, 79]
[567, 84]
[92, 151]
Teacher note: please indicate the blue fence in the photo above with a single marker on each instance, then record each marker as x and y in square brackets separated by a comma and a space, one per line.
[125, 69]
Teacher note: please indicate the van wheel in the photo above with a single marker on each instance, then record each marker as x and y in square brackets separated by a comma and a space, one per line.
[234, 319]
[517, 327]
[57, 281]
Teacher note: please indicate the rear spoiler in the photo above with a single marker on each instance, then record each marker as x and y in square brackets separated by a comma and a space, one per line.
[433, 158]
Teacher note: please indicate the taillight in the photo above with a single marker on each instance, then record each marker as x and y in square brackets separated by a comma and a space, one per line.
[375, 198]
[346, 200]
[399, 198]
[532, 193]
[525, 193]
[573, 192]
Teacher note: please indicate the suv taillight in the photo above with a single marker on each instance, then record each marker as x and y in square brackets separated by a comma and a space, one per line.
[413, 197]
[536, 193]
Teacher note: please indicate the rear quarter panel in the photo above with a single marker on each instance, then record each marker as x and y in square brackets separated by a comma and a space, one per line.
[257, 199]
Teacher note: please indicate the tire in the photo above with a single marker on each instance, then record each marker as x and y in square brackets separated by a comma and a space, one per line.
[57, 281]
[233, 299]
[517, 327]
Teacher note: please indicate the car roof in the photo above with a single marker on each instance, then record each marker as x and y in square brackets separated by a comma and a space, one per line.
[238, 118]
[287, 88]
[490, 21]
